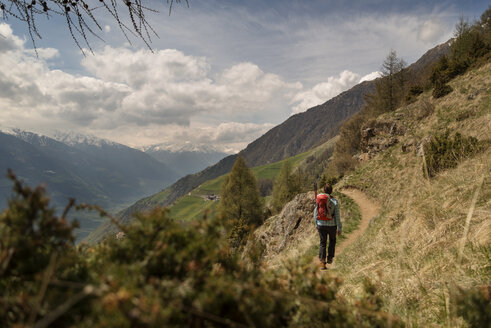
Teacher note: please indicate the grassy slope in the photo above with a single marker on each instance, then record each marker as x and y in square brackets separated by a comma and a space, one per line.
[193, 205]
[413, 247]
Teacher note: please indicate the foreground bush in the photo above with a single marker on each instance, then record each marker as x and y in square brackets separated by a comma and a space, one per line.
[163, 273]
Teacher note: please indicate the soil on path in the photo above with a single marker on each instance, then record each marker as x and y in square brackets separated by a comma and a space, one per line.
[368, 208]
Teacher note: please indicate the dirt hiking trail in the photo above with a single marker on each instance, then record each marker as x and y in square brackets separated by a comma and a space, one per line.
[368, 208]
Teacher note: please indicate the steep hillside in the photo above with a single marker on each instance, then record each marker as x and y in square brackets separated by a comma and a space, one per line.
[304, 131]
[291, 234]
[433, 235]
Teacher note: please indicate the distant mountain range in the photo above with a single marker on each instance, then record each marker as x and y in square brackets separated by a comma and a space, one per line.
[89, 169]
[185, 159]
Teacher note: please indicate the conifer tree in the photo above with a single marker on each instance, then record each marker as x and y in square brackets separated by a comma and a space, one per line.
[241, 204]
[285, 187]
[389, 90]
[485, 26]
[468, 46]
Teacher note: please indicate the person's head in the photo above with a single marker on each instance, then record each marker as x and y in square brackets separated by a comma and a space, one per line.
[328, 189]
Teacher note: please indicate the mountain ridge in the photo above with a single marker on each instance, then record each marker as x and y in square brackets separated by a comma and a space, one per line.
[108, 174]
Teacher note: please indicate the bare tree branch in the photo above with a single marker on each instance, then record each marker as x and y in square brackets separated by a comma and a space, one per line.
[80, 16]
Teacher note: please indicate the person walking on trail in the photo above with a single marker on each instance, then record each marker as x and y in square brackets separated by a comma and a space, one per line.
[327, 222]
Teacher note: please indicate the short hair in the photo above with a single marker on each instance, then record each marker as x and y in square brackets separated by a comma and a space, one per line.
[328, 189]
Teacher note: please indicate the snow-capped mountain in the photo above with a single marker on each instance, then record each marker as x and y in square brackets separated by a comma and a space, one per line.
[27, 136]
[183, 147]
[73, 139]
[185, 158]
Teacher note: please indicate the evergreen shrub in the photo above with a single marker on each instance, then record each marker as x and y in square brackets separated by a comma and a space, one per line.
[265, 186]
[286, 186]
[441, 90]
[413, 93]
[444, 152]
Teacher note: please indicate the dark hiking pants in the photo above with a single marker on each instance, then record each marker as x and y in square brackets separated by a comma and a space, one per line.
[325, 231]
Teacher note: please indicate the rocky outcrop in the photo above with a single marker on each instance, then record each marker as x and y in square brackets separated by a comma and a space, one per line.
[416, 146]
[293, 226]
[377, 136]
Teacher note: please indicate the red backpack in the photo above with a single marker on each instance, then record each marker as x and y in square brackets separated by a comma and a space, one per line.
[324, 207]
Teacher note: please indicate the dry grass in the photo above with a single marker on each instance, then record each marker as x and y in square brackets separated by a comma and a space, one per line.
[413, 248]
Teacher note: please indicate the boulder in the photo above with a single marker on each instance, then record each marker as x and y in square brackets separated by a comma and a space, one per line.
[292, 226]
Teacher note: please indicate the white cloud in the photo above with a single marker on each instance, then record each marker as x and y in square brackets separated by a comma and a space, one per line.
[144, 68]
[132, 93]
[138, 97]
[371, 76]
[324, 91]
[169, 87]
[236, 132]
[8, 41]
[247, 86]
[431, 30]
[33, 95]
[228, 137]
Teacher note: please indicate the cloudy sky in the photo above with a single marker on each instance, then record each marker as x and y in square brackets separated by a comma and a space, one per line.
[221, 72]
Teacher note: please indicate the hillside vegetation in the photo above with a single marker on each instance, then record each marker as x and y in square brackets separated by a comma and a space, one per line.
[434, 234]
[427, 162]
[161, 274]
[429, 250]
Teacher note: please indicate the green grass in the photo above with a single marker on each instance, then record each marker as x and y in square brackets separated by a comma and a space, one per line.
[160, 196]
[351, 214]
[193, 205]
[192, 208]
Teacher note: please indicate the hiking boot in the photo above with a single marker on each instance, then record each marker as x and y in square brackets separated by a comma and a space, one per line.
[329, 260]
[322, 265]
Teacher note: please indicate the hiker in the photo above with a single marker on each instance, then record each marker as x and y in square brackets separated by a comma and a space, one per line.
[327, 222]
